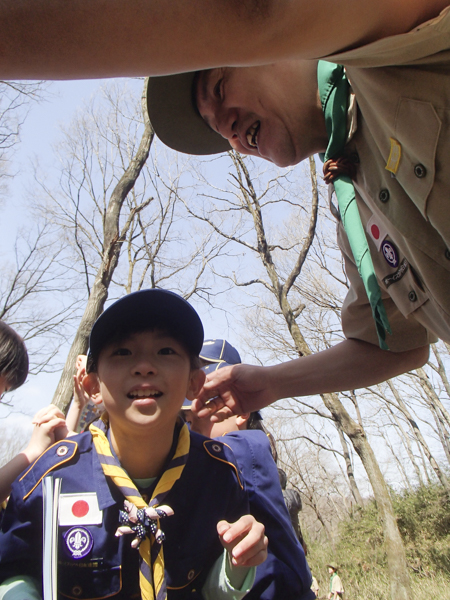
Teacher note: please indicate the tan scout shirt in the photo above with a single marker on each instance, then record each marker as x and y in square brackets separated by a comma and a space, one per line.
[402, 86]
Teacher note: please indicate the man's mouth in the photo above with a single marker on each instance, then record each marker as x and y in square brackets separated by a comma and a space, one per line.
[252, 134]
[139, 394]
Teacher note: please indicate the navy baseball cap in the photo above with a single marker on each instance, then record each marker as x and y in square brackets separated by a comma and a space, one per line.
[220, 351]
[147, 309]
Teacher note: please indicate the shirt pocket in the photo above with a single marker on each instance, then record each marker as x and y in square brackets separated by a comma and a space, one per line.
[85, 582]
[185, 574]
[417, 129]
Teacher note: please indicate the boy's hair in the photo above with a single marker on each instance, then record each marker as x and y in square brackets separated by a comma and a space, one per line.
[147, 310]
[13, 357]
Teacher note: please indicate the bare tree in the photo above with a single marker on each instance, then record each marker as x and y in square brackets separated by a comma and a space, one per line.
[33, 295]
[281, 279]
[114, 201]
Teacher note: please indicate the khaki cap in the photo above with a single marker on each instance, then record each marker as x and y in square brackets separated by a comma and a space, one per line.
[334, 567]
[175, 118]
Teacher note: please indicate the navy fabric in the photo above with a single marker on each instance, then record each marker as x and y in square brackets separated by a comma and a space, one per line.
[285, 574]
[207, 492]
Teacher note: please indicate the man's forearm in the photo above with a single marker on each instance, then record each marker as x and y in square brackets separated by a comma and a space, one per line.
[50, 39]
[352, 364]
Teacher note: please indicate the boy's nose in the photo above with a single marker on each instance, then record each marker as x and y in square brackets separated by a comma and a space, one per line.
[144, 366]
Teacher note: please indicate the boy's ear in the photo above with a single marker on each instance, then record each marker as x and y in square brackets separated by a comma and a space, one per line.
[241, 420]
[91, 385]
[196, 381]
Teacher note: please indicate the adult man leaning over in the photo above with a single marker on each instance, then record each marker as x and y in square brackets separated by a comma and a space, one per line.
[397, 138]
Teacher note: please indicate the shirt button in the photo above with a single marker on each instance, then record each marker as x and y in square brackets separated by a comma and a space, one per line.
[420, 171]
[190, 575]
[447, 253]
[384, 195]
[412, 296]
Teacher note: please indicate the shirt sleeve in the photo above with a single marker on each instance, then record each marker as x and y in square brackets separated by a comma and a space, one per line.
[227, 582]
[20, 587]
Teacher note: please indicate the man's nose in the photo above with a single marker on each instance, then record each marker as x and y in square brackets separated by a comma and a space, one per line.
[227, 123]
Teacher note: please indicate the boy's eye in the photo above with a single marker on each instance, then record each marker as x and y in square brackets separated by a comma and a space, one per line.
[121, 352]
[166, 350]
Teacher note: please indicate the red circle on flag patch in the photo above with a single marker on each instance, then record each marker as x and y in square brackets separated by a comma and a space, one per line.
[375, 231]
[80, 508]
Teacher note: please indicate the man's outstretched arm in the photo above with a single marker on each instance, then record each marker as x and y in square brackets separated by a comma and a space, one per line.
[50, 39]
[352, 364]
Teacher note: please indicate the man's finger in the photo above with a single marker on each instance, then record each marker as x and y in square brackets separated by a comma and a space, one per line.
[208, 407]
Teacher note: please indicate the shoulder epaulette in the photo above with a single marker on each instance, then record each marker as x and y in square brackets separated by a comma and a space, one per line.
[223, 453]
[53, 457]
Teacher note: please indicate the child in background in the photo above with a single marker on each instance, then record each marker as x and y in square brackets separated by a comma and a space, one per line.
[84, 408]
[136, 466]
[285, 574]
[13, 373]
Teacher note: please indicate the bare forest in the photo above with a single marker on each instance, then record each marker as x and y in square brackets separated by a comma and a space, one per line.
[254, 249]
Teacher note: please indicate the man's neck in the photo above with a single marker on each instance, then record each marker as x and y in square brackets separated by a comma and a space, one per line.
[142, 455]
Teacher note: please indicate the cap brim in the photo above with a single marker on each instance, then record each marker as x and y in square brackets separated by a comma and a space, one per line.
[215, 366]
[148, 307]
[175, 119]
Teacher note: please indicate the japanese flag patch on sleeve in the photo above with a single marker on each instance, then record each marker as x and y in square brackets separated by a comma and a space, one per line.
[79, 509]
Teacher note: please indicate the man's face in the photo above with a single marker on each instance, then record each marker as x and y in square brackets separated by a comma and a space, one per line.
[144, 379]
[270, 111]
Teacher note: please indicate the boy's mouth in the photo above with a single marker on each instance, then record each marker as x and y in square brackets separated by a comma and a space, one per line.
[144, 393]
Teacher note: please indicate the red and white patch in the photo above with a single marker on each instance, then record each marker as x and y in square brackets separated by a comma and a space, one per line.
[376, 231]
[79, 509]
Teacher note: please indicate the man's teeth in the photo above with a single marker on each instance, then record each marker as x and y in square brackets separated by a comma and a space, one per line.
[252, 135]
[144, 394]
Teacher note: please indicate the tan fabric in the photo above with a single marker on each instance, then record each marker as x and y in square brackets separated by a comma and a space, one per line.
[336, 585]
[408, 100]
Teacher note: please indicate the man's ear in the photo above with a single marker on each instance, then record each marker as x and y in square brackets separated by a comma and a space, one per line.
[241, 420]
[91, 385]
[196, 381]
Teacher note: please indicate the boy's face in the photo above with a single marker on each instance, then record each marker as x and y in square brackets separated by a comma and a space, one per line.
[143, 380]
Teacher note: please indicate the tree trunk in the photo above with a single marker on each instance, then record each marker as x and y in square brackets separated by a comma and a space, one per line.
[113, 239]
[348, 463]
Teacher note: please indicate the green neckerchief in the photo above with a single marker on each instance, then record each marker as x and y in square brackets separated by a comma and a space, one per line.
[334, 94]
[331, 580]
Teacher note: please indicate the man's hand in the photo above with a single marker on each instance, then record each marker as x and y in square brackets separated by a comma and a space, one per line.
[240, 388]
[244, 541]
[49, 427]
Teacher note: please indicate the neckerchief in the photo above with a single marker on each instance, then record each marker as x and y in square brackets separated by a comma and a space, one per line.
[331, 581]
[151, 571]
[334, 93]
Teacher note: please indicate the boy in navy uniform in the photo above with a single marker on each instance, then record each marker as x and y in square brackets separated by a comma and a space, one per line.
[137, 471]
[285, 574]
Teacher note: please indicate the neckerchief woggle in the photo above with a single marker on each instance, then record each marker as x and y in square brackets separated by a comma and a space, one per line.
[151, 572]
[334, 94]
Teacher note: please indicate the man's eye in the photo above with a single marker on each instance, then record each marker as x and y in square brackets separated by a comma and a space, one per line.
[218, 89]
[167, 350]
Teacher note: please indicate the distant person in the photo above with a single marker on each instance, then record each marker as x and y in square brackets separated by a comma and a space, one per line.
[13, 373]
[84, 408]
[293, 503]
[138, 471]
[336, 587]
[315, 586]
[285, 574]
